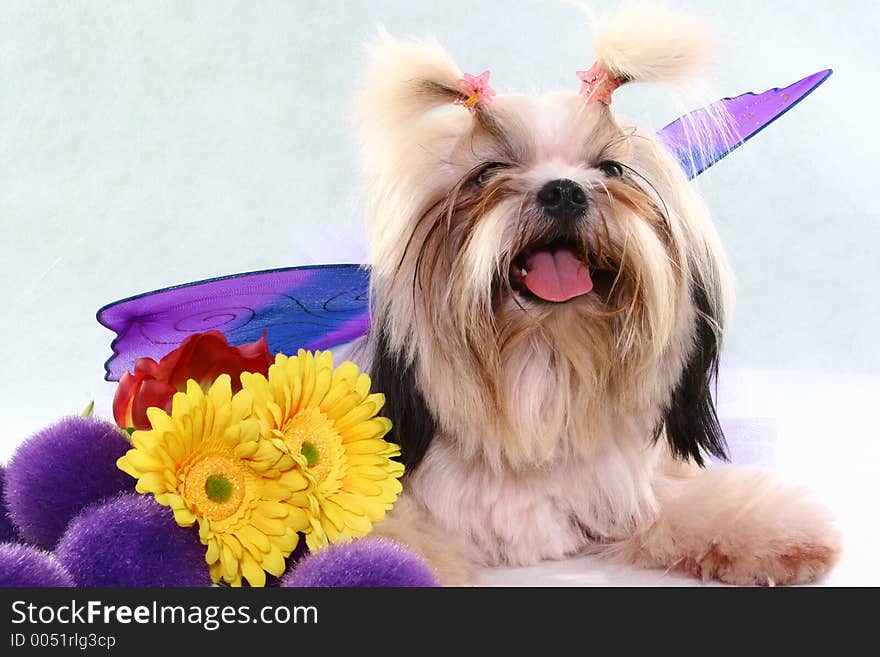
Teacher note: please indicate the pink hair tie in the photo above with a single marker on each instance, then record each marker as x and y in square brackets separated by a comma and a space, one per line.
[598, 84]
[474, 91]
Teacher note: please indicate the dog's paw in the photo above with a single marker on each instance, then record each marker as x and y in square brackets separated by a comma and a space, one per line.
[739, 526]
[798, 564]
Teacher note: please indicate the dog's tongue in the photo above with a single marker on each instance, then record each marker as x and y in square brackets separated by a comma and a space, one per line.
[556, 275]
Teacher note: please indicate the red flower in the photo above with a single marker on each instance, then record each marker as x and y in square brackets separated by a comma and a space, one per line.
[202, 357]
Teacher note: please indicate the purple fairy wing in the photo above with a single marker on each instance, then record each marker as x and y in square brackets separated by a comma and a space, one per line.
[314, 307]
[701, 138]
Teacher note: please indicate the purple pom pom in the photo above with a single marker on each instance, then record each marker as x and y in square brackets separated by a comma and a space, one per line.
[363, 563]
[132, 541]
[61, 470]
[8, 532]
[23, 565]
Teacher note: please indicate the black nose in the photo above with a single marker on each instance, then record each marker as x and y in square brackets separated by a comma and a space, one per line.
[563, 199]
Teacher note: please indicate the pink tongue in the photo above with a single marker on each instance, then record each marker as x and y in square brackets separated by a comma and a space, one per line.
[556, 275]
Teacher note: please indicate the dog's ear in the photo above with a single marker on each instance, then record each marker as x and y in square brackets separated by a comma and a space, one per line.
[404, 80]
[403, 133]
[413, 425]
[691, 422]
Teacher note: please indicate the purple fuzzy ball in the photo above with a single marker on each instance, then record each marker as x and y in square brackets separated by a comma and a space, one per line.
[23, 565]
[132, 541]
[61, 470]
[362, 563]
[8, 532]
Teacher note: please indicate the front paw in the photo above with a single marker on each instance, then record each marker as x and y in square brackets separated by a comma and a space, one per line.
[748, 529]
[795, 564]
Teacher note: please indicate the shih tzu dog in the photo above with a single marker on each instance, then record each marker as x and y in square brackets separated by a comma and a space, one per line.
[549, 297]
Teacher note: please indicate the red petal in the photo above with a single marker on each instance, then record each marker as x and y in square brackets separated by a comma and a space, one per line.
[122, 400]
[145, 368]
[203, 357]
[206, 356]
[151, 393]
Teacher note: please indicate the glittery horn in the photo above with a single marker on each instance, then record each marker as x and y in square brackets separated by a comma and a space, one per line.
[702, 137]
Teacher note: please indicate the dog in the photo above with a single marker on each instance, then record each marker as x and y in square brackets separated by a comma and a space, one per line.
[549, 297]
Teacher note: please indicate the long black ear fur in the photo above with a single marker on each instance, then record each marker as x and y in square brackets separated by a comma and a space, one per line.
[414, 426]
[691, 422]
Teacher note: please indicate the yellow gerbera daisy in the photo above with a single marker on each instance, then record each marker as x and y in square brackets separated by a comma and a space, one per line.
[329, 417]
[204, 462]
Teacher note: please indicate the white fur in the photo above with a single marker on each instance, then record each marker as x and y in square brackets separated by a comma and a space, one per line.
[519, 518]
[648, 43]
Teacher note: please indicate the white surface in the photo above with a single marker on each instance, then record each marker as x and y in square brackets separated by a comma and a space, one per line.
[812, 429]
[825, 439]
[149, 143]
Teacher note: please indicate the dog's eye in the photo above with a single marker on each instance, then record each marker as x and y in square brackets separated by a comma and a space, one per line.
[611, 168]
[484, 175]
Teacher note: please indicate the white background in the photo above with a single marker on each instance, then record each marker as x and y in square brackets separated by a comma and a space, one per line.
[144, 144]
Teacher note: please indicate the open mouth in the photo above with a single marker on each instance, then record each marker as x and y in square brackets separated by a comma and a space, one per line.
[558, 272]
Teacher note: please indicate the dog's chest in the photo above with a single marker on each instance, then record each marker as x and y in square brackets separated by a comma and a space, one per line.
[521, 518]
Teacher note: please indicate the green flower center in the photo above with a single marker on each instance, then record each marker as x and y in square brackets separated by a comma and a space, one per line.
[310, 452]
[218, 488]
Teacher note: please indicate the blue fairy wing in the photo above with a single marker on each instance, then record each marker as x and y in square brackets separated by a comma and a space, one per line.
[316, 307]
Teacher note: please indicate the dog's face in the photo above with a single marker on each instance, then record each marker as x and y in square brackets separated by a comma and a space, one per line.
[540, 271]
[547, 210]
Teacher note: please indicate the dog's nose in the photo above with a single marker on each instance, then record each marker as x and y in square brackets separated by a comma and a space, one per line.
[563, 199]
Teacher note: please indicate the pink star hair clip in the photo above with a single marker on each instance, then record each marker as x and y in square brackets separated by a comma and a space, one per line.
[474, 91]
[598, 84]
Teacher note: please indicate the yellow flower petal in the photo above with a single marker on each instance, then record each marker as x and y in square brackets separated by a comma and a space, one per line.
[251, 570]
[361, 413]
[344, 402]
[184, 518]
[289, 541]
[321, 451]
[298, 519]
[370, 446]
[159, 420]
[372, 472]
[213, 552]
[232, 544]
[208, 462]
[362, 486]
[273, 563]
[246, 449]
[229, 561]
[151, 482]
[363, 385]
[294, 481]
[216, 570]
[251, 537]
[272, 509]
[143, 461]
[269, 526]
[376, 427]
